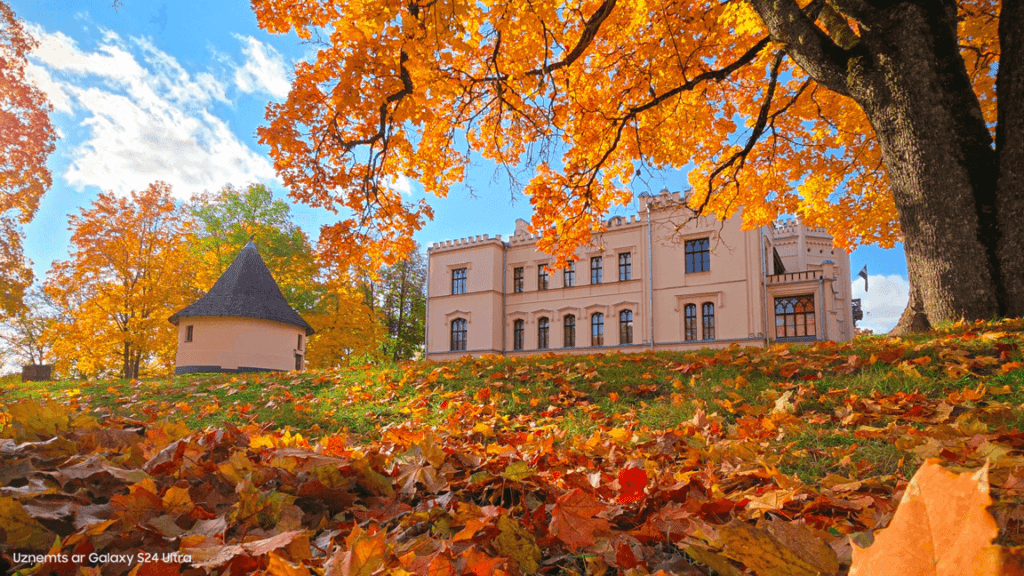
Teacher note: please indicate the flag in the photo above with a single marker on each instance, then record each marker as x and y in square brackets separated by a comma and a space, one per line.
[864, 274]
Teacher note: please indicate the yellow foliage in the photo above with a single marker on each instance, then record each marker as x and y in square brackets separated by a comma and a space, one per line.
[129, 270]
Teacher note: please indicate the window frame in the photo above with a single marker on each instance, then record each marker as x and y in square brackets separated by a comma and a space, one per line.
[625, 266]
[518, 334]
[542, 277]
[189, 332]
[459, 335]
[569, 275]
[707, 328]
[459, 280]
[597, 329]
[690, 323]
[569, 331]
[518, 281]
[625, 327]
[596, 269]
[543, 333]
[694, 249]
[809, 317]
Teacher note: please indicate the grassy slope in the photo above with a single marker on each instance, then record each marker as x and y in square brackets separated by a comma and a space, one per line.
[870, 410]
[835, 390]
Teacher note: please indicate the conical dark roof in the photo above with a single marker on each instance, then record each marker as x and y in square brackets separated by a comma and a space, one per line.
[246, 290]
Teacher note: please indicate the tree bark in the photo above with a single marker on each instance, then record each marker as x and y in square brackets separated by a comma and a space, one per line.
[1010, 150]
[908, 76]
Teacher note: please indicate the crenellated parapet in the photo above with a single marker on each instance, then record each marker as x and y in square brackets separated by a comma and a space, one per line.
[461, 243]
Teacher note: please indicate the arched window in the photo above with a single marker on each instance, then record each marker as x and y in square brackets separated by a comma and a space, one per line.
[518, 332]
[708, 316]
[459, 334]
[569, 331]
[597, 329]
[626, 327]
[542, 333]
[794, 316]
[690, 322]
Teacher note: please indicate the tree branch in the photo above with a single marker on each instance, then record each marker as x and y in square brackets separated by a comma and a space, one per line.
[809, 46]
[589, 33]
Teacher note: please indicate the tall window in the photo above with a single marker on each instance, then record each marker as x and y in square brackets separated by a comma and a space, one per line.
[595, 270]
[300, 342]
[625, 267]
[708, 319]
[698, 255]
[459, 281]
[569, 275]
[517, 279]
[518, 332]
[597, 329]
[542, 277]
[569, 331]
[794, 316]
[188, 333]
[626, 327]
[459, 334]
[542, 333]
[690, 322]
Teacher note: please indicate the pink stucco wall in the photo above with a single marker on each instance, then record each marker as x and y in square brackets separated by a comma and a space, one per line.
[230, 343]
[740, 285]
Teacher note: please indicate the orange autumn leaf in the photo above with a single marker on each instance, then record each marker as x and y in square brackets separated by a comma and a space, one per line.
[942, 527]
[573, 519]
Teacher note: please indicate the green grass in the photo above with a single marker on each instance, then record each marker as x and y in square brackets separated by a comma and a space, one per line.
[655, 391]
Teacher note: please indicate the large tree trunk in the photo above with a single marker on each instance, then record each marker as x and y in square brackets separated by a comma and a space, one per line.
[962, 241]
[914, 88]
[1010, 148]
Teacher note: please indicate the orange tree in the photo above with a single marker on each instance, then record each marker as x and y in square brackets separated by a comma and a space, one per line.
[26, 140]
[130, 269]
[881, 121]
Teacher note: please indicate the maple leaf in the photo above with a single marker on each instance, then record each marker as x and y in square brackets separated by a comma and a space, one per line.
[573, 519]
[942, 527]
[364, 555]
[514, 541]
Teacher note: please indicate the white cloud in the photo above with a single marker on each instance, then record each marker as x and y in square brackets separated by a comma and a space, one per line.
[58, 97]
[884, 301]
[264, 70]
[147, 118]
[401, 185]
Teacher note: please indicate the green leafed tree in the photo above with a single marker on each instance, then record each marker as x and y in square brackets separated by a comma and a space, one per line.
[399, 295]
[231, 217]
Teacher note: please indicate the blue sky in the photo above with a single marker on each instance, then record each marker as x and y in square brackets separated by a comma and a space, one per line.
[175, 91]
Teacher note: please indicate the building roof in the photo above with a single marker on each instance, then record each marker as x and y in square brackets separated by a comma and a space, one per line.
[245, 290]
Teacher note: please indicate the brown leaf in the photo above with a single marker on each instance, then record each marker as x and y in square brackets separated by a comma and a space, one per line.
[573, 519]
[762, 552]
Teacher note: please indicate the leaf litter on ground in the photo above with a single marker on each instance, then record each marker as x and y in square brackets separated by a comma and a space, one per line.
[785, 460]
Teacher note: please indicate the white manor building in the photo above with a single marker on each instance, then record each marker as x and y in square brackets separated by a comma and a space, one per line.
[654, 281]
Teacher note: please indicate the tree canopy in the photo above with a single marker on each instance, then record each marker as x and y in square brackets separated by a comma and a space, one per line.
[128, 271]
[27, 140]
[878, 121]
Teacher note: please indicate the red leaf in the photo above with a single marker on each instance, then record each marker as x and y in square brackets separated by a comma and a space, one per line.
[632, 482]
